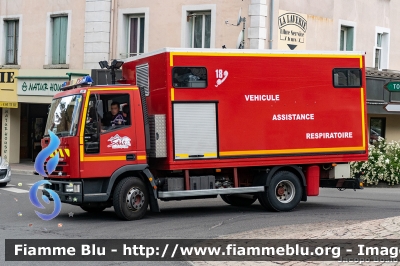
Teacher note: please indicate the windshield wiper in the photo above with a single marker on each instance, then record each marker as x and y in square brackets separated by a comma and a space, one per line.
[62, 134]
[58, 134]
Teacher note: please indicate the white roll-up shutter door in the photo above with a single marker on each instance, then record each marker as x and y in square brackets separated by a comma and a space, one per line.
[195, 130]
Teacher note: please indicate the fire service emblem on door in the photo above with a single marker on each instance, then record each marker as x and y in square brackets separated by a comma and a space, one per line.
[118, 142]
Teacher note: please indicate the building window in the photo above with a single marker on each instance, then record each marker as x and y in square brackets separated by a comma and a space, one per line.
[133, 31]
[59, 40]
[377, 128]
[136, 35]
[346, 38]
[200, 29]
[381, 49]
[12, 27]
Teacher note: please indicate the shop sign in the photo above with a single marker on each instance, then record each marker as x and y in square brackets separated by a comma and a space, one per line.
[8, 87]
[40, 87]
[5, 151]
[8, 105]
[292, 30]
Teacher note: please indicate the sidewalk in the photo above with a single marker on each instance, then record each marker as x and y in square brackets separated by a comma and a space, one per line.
[387, 228]
[25, 167]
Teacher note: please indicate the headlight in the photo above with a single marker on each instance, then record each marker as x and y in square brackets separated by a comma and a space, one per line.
[4, 164]
[70, 188]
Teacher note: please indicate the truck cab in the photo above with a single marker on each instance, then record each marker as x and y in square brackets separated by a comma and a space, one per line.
[100, 131]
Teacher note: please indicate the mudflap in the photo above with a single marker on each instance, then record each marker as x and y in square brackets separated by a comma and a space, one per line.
[343, 183]
[151, 185]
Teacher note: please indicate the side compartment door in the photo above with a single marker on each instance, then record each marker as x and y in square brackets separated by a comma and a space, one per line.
[195, 130]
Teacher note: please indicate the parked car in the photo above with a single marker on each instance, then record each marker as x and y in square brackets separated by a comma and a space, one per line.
[5, 172]
[374, 136]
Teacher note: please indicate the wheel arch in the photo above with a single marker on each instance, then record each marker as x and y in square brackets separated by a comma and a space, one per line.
[265, 178]
[141, 171]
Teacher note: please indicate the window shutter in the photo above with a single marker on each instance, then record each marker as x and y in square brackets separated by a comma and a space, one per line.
[63, 39]
[207, 33]
[10, 42]
[56, 41]
[16, 42]
[141, 37]
[349, 39]
[342, 31]
[133, 37]
[198, 32]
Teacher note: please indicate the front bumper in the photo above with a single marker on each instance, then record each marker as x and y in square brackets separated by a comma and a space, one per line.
[66, 197]
[5, 175]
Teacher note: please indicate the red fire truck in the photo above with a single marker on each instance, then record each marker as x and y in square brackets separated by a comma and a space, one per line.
[198, 123]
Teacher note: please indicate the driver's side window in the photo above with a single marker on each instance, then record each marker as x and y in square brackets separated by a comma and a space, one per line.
[116, 112]
[105, 113]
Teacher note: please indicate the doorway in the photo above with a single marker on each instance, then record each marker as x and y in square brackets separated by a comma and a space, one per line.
[33, 122]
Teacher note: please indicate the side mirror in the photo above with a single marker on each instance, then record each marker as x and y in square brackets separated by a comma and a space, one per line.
[99, 108]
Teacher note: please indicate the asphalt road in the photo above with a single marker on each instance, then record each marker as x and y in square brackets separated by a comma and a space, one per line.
[207, 218]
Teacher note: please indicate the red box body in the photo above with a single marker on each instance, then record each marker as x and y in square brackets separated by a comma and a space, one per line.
[261, 87]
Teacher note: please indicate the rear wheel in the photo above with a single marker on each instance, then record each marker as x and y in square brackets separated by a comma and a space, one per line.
[3, 184]
[130, 199]
[283, 194]
[93, 208]
[235, 200]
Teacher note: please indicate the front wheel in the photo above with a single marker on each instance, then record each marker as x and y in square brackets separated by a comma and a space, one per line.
[3, 184]
[130, 198]
[283, 194]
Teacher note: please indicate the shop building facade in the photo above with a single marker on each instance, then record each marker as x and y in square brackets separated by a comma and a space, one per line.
[41, 43]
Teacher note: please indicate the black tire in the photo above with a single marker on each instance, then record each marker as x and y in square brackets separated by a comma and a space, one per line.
[3, 184]
[283, 193]
[237, 200]
[92, 209]
[124, 206]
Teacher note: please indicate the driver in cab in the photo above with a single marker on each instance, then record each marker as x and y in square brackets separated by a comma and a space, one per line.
[113, 118]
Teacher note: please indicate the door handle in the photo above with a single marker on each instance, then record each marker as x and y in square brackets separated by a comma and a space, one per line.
[130, 157]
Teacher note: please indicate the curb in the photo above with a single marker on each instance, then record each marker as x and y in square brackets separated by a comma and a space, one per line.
[382, 186]
[23, 172]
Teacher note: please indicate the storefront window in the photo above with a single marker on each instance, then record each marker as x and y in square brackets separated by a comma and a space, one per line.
[377, 128]
[64, 115]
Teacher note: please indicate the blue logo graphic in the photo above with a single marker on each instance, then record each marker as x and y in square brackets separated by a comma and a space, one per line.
[50, 166]
[36, 203]
[45, 153]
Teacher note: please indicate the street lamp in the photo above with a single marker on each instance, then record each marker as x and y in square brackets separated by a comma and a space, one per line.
[115, 64]
[103, 64]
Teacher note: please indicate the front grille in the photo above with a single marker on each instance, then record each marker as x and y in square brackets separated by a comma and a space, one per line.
[54, 187]
[59, 168]
[3, 173]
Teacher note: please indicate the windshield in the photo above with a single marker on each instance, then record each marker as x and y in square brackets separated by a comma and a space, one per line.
[63, 115]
